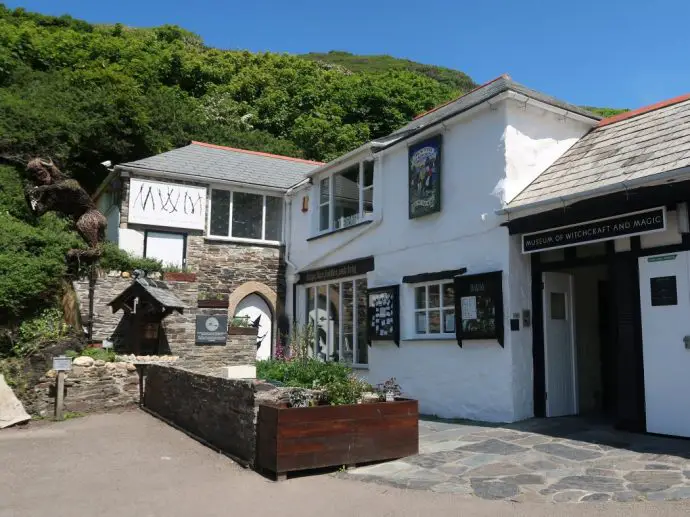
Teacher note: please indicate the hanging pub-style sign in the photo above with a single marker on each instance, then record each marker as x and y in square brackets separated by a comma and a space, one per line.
[479, 307]
[424, 182]
[384, 314]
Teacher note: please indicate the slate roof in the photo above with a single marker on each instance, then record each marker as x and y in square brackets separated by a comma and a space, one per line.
[483, 93]
[629, 147]
[208, 162]
[155, 289]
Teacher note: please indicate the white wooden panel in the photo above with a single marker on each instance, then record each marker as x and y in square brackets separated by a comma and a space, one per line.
[168, 205]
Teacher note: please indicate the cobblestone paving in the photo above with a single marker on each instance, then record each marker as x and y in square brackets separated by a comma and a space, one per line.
[554, 460]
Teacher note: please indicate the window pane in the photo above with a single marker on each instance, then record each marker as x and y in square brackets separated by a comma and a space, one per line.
[323, 217]
[247, 215]
[368, 173]
[220, 212]
[334, 322]
[348, 322]
[449, 321]
[434, 322]
[448, 295]
[557, 306]
[434, 296]
[311, 313]
[420, 322]
[420, 297]
[368, 201]
[323, 191]
[362, 320]
[274, 218]
[346, 198]
[321, 328]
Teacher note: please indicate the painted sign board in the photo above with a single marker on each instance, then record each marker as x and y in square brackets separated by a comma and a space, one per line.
[211, 329]
[337, 271]
[424, 181]
[171, 205]
[62, 363]
[625, 225]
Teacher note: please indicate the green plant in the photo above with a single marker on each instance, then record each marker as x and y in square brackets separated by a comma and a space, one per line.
[301, 341]
[116, 259]
[36, 332]
[172, 268]
[240, 322]
[69, 415]
[103, 354]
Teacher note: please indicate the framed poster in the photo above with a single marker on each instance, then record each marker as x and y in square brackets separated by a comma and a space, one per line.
[424, 168]
[479, 307]
[384, 314]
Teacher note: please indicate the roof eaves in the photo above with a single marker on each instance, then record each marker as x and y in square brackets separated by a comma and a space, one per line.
[256, 153]
[641, 111]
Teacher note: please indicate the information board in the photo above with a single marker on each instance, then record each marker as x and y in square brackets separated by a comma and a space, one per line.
[211, 330]
[384, 314]
[479, 307]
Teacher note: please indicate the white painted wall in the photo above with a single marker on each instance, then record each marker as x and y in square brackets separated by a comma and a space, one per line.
[253, 307]
[132, 241]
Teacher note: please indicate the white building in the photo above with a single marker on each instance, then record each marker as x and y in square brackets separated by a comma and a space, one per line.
[429, 209]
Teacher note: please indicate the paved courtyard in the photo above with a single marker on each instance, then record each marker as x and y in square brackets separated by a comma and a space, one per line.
[554, 460]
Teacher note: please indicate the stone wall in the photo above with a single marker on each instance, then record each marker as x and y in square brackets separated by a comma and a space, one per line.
[221, 412]
[178, 330]
[96, 386]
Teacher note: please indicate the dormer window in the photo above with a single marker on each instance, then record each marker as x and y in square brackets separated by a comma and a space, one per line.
[347, 197]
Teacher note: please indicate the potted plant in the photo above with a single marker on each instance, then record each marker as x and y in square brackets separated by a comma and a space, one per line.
[177, 274]
[241, 326]
[212, 301]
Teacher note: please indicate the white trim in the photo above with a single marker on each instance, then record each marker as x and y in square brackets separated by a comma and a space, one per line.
[525, 235]
[229, 238]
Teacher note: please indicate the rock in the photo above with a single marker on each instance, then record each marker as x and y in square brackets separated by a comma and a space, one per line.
[99, 362]
[12, 411]
[51, 374]
[126, 274]
[83, 361]
[130, 367]
[369, 398]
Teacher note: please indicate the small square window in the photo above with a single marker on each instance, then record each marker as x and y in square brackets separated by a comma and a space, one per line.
[557, 303]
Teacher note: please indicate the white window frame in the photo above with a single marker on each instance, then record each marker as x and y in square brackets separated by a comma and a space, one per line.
[361, 215]
[229, 237]
[355, 321]
[442, 308]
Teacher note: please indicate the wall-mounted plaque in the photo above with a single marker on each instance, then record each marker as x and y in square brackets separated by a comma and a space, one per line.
[663, 290]
[384, 314]
[479, 307]
[424, 182]
[211, 330]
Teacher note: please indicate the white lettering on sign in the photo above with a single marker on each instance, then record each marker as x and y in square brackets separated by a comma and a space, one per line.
[167, 204]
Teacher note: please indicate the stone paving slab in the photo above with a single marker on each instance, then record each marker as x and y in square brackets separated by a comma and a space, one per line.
[556, 460]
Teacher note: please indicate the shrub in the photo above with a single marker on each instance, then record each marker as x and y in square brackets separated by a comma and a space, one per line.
[107, 355]
[116, 259]
[36, 332]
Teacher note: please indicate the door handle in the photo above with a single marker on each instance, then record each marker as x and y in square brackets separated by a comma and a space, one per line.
[686, 341]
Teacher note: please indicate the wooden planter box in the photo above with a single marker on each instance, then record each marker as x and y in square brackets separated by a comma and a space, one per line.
[291, 439]
[243, 331]
[212, 304]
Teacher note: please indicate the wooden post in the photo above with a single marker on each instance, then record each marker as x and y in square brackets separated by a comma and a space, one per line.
[60, 395]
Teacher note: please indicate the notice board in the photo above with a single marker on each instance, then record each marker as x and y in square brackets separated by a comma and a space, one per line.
[384, 314]
[479, 307]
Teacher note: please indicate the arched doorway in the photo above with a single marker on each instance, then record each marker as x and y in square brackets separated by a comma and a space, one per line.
[254, 307]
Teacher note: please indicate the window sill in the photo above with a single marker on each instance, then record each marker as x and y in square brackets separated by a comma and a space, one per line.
[362, 367]
[237, 240]
[331, 232]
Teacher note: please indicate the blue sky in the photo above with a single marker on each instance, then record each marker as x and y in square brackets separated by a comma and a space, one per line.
[604, 53]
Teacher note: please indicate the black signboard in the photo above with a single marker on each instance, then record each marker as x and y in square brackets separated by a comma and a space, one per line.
[337, 271]
[211, 330]
[664, 291]
[479, 307]
[384, 314]
[600, 230]
[424, 181]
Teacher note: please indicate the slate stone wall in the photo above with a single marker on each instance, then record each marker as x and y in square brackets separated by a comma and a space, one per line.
[221, 412]
[178, 330]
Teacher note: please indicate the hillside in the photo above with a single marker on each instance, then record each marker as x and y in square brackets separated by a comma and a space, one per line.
[382, 63]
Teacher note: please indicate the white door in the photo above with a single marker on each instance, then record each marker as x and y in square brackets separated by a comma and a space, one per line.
[254, 307]
[166, 247]
[665, 305]
[559, 345]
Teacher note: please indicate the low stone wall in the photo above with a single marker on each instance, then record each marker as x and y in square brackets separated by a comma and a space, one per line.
[97, 386]
[221, 412]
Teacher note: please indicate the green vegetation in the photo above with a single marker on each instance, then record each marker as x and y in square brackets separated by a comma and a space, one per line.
[337, 380]
[605, 112]
[116, 259]
[382, 64]
[107, 355]
[35, 333]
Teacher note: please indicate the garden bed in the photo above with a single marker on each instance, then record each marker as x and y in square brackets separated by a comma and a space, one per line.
[303, 438]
